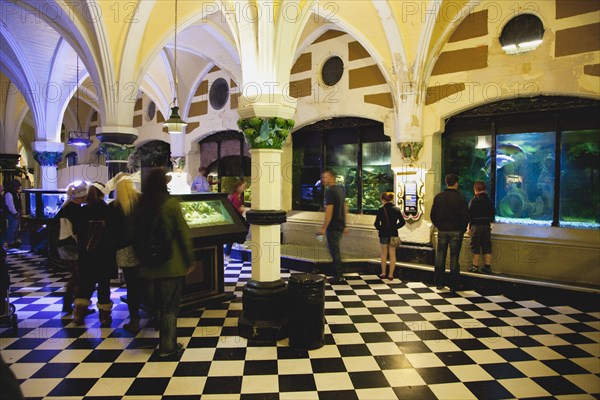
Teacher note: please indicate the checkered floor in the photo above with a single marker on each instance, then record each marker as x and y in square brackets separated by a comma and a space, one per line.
[384, 340]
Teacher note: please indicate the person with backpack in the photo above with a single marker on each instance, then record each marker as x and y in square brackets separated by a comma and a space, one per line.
[124, 205]
[481, 216]
[389, 219]
[96, 256]
[163, 245]
[66, 218]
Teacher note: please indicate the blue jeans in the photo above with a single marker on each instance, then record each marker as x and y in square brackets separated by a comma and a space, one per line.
[454, 240]
[333, 244]
[163, 297]
[13, 227]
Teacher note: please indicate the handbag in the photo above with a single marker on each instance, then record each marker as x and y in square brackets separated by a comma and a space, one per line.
[126, 257]
[394, 240]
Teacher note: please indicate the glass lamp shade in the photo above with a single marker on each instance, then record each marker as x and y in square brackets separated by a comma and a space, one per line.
[175, 124]
[79, 139]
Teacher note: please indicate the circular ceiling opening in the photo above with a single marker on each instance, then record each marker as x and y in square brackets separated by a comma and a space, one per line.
[521, 34]
[219, 94]
[332, 71]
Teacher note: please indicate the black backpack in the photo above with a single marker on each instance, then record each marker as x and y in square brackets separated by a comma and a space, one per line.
[94, 244]
[152, 242]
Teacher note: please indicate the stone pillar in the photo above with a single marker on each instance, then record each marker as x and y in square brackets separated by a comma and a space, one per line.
[117, 157]
[265, 311]
[8, 167]
[48, 155]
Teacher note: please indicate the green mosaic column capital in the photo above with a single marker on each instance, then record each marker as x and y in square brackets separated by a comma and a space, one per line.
[47, 158]
[266, 133]
[115, 151]
[410, 150]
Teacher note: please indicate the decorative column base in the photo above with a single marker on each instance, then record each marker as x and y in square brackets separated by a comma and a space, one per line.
[265, 307]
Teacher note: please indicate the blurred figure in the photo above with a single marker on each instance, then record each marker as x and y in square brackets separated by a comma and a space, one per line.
[67, 217]
[124, 206]
[96, 256]
[12, 199]
[334, 224]
[236, 197]
[163, 283]
[200, 184]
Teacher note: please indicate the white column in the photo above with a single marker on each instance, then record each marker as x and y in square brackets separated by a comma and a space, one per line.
[266, 195]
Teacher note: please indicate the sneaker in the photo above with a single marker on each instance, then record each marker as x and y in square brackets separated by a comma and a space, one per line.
[473, 268]
[486, 269]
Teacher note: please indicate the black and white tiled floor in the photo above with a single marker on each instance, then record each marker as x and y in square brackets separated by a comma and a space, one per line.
[384, 340]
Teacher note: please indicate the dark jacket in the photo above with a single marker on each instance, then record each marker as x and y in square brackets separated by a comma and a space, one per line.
[179, 234]
[96, 264]
[450, 211]
[481, 210]
[121, 226]
[388, 225]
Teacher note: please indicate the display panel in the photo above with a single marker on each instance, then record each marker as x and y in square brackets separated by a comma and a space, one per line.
[205, 213]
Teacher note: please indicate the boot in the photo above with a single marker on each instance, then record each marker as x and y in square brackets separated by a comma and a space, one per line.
[67, 303]
[133, 326]
[105, 314]
[81, 308]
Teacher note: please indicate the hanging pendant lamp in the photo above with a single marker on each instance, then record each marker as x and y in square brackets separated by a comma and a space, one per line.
[79, 138]
[175, 124]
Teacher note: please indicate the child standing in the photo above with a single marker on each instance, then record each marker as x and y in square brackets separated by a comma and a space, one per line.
[481, 215]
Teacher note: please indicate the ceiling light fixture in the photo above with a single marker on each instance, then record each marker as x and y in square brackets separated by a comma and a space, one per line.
[79, 138]
[175, 124]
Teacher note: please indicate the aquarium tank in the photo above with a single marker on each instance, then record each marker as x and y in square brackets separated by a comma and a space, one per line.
[525, 177]
[203, 213]
[377, 174]
[539, 158]
[32, 204]
[580, 179]
[51, 202]
[342, 159]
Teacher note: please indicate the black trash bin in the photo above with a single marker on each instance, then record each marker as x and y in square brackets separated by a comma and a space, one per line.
[307, 308]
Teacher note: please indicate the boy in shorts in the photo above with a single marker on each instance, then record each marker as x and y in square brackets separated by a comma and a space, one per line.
[481, 215]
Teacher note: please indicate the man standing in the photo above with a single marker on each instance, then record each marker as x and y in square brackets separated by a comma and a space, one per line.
[334, 225]
[450, 215]
[12, 199]
[200, 184]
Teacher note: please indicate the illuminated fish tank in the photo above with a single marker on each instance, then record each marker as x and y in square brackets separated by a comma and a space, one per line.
[525, 165]
[44, 204]
[205, 213]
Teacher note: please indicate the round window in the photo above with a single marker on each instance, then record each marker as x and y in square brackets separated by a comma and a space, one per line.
[521, 34]
[332, 71]
[219, 94]
[151, 111]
